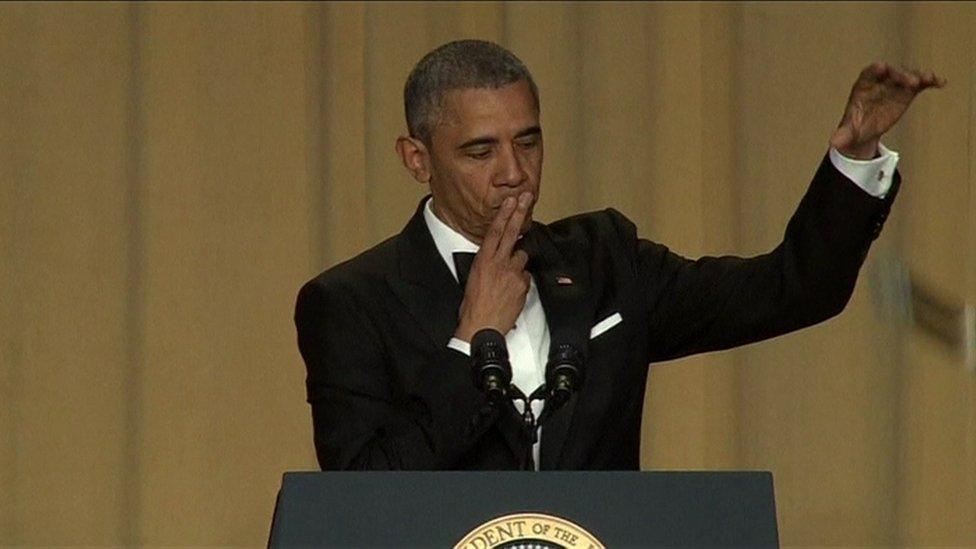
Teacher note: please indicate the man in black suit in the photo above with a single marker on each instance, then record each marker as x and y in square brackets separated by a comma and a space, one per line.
[386, 336]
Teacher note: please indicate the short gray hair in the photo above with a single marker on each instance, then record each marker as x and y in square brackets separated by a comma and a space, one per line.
[462, 64]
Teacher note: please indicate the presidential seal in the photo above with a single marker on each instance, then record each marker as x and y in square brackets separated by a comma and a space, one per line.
[529, 531]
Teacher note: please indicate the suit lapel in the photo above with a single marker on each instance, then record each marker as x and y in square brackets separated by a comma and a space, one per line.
[566, 293]
[424, 283]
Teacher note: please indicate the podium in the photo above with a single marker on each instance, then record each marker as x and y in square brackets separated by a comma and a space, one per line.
[486, 510]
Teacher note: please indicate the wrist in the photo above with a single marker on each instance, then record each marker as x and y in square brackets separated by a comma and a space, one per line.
[464, 334]
[466, 330]
[861, 151]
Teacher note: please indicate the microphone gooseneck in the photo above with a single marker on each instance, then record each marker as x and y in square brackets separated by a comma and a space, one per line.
[491, 369]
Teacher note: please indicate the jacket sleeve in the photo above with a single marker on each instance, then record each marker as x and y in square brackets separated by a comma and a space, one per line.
[361, 418]
[715, 303]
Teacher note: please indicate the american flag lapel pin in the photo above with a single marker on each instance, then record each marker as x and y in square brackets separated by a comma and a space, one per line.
[564, 280]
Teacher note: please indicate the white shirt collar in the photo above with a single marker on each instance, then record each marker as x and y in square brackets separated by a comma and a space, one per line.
[446, 239]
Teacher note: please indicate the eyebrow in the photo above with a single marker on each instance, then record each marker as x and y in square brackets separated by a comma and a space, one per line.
[533, 130]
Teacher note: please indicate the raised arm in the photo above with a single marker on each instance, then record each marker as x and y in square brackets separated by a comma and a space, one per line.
[720, 302]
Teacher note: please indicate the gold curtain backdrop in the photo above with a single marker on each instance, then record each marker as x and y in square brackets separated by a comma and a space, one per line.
[170, 174]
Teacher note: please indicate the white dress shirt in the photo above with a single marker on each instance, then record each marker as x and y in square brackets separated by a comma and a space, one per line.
[528, 341]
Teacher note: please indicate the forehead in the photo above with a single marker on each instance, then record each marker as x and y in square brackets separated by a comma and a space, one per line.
[510, 108]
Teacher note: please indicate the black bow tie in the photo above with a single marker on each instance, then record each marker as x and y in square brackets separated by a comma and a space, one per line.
[462, 262]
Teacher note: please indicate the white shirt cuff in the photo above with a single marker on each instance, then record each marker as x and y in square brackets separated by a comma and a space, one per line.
[460, 346]
[873, 176]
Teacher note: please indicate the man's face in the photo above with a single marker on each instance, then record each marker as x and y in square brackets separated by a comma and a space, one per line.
[486, 146]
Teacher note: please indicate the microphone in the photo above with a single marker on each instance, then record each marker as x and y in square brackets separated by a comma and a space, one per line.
[490, 367]
[564, 374]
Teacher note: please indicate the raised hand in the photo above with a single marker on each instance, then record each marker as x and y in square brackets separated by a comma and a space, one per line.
[498, 283]
[879, 97]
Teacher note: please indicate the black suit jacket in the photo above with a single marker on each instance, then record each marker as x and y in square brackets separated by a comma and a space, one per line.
[387, 393]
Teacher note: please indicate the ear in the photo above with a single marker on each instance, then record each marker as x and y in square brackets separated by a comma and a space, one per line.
[415, 157]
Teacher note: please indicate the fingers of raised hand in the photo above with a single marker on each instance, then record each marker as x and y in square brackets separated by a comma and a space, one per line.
[905, 77]
[514, 225]
[520, 282]
[497, 229]
[875, 72]
[915, 79]
[519, 260]
[929, 79]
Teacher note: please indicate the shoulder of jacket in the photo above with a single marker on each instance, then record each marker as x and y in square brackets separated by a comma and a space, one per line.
[359, 272]
[596, 225]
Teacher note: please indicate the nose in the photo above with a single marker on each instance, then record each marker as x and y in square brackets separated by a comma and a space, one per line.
[511, 171]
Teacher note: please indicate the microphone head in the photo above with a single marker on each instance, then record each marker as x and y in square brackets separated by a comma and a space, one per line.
[488, 335]
[491, 370]
[565, 361]
[564, 374]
